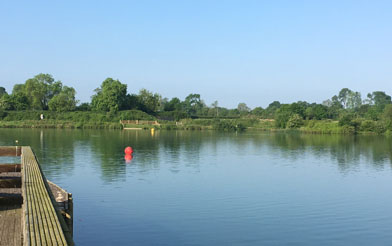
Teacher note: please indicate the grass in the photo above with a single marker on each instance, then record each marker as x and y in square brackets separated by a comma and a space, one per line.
[108, 120]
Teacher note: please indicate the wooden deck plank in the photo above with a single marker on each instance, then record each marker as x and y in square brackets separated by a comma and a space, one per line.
[39, 209]
[31, 219]
[18, 228]
[40, 196]
[10, 221]
[39, 199]
[10, 192]
[10, 175]
[34, 215]
[10, 151]
[10, 167]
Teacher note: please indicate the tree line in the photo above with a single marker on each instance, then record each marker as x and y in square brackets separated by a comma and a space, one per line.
[43, 92]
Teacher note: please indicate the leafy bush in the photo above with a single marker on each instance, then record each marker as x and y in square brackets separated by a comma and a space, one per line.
[380, 127]
[345, 119]
[2, 114]
[368, 126]
[295, 121]
[78, 116]
[348, 129]
[228, 126]
[134, 115]
[172, 115]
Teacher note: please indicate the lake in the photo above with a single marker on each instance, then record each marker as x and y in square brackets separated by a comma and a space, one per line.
[213, 188]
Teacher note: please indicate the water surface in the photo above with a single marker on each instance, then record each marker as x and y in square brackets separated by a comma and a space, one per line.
[210, 188]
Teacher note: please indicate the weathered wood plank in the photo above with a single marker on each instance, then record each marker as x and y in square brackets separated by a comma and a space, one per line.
[10, 221]
[10, 192]
[42, 221]
[10, 182]
[10, 151]
[10, 168]
[44, 211]
[10, 175]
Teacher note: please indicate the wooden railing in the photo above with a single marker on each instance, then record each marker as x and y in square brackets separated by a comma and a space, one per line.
[139, 122]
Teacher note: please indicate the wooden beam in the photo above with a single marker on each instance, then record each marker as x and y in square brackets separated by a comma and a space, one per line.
[10, 151]
[10, 196]
[10, 181]
[6, 168]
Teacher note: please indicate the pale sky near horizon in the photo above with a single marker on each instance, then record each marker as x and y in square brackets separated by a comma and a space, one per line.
[231, 51]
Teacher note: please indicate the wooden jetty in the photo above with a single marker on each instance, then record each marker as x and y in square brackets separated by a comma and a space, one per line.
[33, 211]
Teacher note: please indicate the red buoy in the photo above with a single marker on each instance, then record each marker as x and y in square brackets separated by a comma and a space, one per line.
[128, 150]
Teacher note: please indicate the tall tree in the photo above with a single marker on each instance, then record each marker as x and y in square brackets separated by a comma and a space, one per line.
[378, 99]
[2, 91]
[64, 101]
[193, 104]
[148, 101]
[111, 96]
[354, 100]
[243, 108]
[173, 105]
[271, 109]
[40, 90]
[259, 111]
[214, 105]
[343, 96]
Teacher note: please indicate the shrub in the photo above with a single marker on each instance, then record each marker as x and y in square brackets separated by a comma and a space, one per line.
[380, 127]
[345, 119]
[228, 126]
[295, 121]
[368, 126]
[2, 114]
[348, 129]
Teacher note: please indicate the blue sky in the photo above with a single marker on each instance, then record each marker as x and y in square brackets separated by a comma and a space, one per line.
[231, 51]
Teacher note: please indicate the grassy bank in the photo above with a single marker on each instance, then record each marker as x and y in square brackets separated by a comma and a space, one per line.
[59, 124]
[107, 120]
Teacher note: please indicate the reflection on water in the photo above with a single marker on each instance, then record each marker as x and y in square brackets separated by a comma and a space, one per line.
[205, 187]
[104, 147]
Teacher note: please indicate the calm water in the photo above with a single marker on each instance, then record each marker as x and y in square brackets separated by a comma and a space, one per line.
[209, 188]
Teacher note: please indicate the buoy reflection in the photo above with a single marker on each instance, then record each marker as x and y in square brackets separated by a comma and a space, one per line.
[128, 158]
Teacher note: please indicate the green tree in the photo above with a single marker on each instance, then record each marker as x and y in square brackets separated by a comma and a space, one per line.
[316, 111]
[83, 107]
[295, 121]
[3, 91]
[258, 111]
[173, 105]
[354, 100]
[39, 90]
[149, 102]
[343, 96]
[5, 102]
[131, 101]
[272, 108]
[111, 96]
[16, 101]
[192, 104]
[299, 108]
[282, 115]
[348, 99]
[243, 108]
[387, 114]
[215, 107]
[64, 101]
[379, 99]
